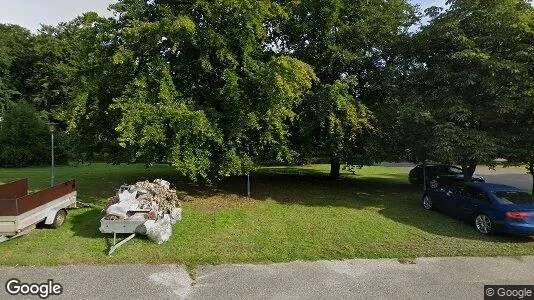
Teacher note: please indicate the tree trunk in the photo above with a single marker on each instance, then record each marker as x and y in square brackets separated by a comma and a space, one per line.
[469, 170]
[334, 168]
[531, 171]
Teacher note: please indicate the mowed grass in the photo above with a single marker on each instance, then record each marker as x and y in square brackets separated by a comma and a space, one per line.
[295, 213]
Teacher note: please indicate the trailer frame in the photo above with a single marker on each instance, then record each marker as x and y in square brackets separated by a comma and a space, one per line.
[20, 212]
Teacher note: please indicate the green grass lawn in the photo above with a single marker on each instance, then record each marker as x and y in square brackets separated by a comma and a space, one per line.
[296, 213]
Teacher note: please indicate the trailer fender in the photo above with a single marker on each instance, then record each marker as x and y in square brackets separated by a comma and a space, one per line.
[51, 216]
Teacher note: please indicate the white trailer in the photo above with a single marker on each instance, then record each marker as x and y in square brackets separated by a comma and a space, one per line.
[20, 212]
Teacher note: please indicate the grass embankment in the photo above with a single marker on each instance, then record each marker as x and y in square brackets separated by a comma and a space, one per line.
[295, 213]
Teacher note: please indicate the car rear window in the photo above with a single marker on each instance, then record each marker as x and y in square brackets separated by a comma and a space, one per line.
[512, 197]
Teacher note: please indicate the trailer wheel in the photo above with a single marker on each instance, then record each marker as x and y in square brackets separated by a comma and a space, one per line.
[60, 218]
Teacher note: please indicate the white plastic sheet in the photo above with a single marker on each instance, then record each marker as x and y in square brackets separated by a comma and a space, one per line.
[127, 202]
[159, 231]
[176, 215]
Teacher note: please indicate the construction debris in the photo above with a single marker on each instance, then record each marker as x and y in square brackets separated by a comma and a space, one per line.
[154, 205]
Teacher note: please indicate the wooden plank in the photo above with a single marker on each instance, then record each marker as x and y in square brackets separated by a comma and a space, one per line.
[8, 196]
[35, 200]
[14, 190]
[8, 207]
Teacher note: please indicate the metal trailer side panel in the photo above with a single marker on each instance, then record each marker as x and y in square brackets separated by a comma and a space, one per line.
[121, 226]
[14, 190]
[11, 225]
[41, 198]
[8, 207]
[9, 193]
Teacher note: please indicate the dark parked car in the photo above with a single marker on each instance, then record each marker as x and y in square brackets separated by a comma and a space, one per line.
[491, 207]
[439, 176]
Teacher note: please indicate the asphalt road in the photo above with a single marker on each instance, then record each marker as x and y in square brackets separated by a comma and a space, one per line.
[425, 278]
[513, 176]
[517, 177]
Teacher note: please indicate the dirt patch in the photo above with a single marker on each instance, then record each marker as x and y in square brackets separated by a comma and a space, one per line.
[221, 202]
[406, 261]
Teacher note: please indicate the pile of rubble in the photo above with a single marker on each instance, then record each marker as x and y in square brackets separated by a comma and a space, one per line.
[155, 203]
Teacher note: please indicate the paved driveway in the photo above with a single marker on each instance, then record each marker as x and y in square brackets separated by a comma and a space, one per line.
[514, 176]
[425, 278]
[510, 176]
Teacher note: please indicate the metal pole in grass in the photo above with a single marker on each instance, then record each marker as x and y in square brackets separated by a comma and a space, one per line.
[248, 172]
[248, 184]
[52, 177]
[424, 175]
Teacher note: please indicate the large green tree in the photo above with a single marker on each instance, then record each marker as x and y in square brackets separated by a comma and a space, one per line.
[199, 89]
[24, 136]
[516, 135]
[92, 43]
[16, 62]
[348, 43]
[469, 57]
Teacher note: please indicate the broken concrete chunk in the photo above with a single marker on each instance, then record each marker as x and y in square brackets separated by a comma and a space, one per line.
[163, 183]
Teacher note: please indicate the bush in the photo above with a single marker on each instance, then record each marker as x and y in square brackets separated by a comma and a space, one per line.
[24, 137]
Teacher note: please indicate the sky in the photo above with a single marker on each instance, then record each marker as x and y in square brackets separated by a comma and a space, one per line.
[31, 13]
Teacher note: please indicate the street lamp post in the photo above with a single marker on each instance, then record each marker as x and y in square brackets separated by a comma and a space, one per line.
[52, 178]
[248, 184]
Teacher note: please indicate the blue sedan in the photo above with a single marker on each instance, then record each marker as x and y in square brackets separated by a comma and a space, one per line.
[491, 207]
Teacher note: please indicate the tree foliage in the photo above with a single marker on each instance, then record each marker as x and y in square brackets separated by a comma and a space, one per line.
[217, 87]
[470, 59]
[24, 137]
[15, 62]
[200, 91]
[347, 43]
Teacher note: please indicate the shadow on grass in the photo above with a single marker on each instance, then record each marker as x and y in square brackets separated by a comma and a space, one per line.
[85, 223]
[391, 194]
[270, 182]
[412, 214]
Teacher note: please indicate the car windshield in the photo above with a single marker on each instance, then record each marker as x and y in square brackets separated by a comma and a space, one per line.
[513, 197]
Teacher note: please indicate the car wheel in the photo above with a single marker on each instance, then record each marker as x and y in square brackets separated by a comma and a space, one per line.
[434, 184]
[60, 218]
[484, 224]
[427, 202]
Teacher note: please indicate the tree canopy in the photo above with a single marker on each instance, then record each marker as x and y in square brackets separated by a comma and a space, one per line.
[347, 43]
[218, 87]
[201, 91]
[472, 60]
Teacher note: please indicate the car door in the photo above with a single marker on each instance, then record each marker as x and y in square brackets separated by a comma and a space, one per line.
[447, 201]
[470, 202]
